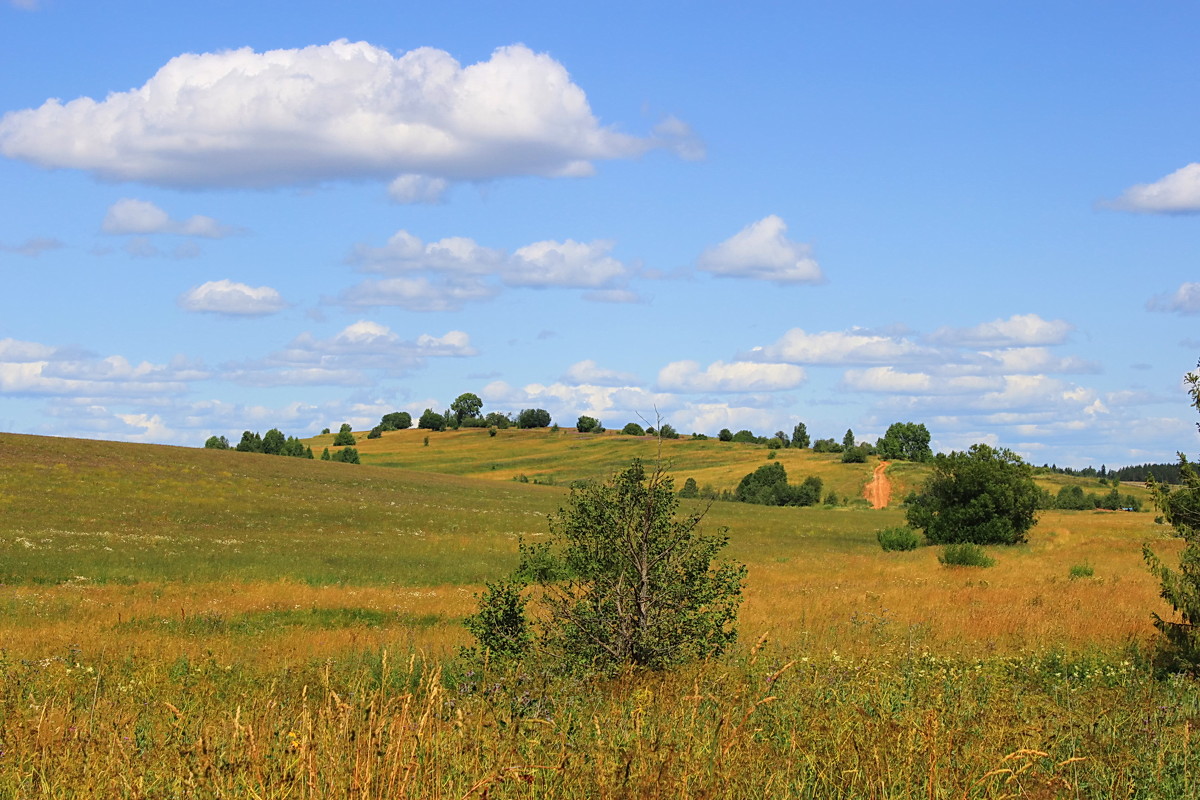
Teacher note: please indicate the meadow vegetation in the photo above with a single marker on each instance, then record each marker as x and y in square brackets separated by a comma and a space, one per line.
[180, 622]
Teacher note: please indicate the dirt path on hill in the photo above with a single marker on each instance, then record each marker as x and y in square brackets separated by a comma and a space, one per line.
[879, 491]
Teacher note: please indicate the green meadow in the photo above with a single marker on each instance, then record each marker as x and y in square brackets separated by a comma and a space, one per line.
[180, 622]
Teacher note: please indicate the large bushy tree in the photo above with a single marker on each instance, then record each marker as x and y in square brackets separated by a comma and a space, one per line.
[1180, 586]
[800, 436]
[431, 421]
[905, 440]
[533, 418]
[466, 406]
[983, 496]
[622, 582]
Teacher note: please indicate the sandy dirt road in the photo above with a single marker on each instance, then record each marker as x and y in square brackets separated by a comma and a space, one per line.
[879, 490]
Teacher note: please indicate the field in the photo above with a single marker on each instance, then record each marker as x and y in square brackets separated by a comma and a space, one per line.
[178, 622]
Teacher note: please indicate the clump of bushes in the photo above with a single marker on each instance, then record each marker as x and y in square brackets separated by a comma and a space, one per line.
[965, 554]
[899, 538]
[1081, 571]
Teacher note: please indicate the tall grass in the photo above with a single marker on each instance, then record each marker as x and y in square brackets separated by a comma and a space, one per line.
[189, 623]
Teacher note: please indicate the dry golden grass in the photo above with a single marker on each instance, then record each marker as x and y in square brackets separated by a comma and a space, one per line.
[310, 659]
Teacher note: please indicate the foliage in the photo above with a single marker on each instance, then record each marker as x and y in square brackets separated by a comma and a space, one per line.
[640, 585]
[251, 442]
[826, 446]
[375, 433]
[898, 538]
[768, 485]
[848, 439]
[395, 421]
[586, 424]
[783, 438]
[965, 554]
[855, 454]
[345, 436]
[800, 436]
[984, 496]
[690, 489]
[745, 437]
[495, 419]
[908, 441]
[533, 418]
[431, 421]
[491, 430]
[347, 455]
[1081, 571]
[466, 406]
[1180, 507]
[216, 443]
[499, 624]
[633, 429]
[725, 435]
[665, 431]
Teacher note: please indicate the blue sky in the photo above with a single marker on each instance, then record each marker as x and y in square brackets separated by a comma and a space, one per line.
[980, 216]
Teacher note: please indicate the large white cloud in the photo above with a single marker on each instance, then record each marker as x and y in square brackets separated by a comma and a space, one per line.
[1176, 193]
[129, 215]
[1019, 330]
[464, 270]
[855, 346]
[762, 250]
[1184, 300]
[739, 376]
[35, 369]
[232, 299]
[346, 110]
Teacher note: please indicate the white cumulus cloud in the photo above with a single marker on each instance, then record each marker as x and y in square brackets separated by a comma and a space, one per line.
[589, 372]
[232, 299]
[345, 110]
[1019, 330]
[855, 346]
[1184, 300]
[1177, 193]
[739, 376]
[762, 250]
[132, 216]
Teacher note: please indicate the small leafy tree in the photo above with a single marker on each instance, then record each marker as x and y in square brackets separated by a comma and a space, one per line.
[622, 582]
[216, 443]
[665, 431]
[345, 436]
[251, 442]
[982, 496]
[497, 420]
[633, 429]
[800, 436]
[725, 435]
[273, 442]
[432, 421]
[1180, 507]
[586, 424]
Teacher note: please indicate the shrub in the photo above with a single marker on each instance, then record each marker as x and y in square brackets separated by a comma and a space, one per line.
[216, 443]
[900, 538]
[982, 496]
[431, 420]
[492, 430]
[690, 489]
[586, 424]
[643, 589]
[396, 421]
[348, 455]
[725, 435]
[633, 429]
[495, 419]
[344, 436]
[376, 432]
[965, 554]
[667, 432]
[855, 454]
[1081, 571]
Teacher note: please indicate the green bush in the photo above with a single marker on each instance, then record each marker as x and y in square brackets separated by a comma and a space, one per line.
[1081, 571]
[901, 538]
[965, 554]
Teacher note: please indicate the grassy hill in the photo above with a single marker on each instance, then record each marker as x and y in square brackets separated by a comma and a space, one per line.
[189, 622]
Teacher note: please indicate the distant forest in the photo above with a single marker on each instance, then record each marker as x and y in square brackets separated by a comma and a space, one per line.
[1163, 473]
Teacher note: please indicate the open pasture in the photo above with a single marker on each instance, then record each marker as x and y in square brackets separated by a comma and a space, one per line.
[189, 623]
